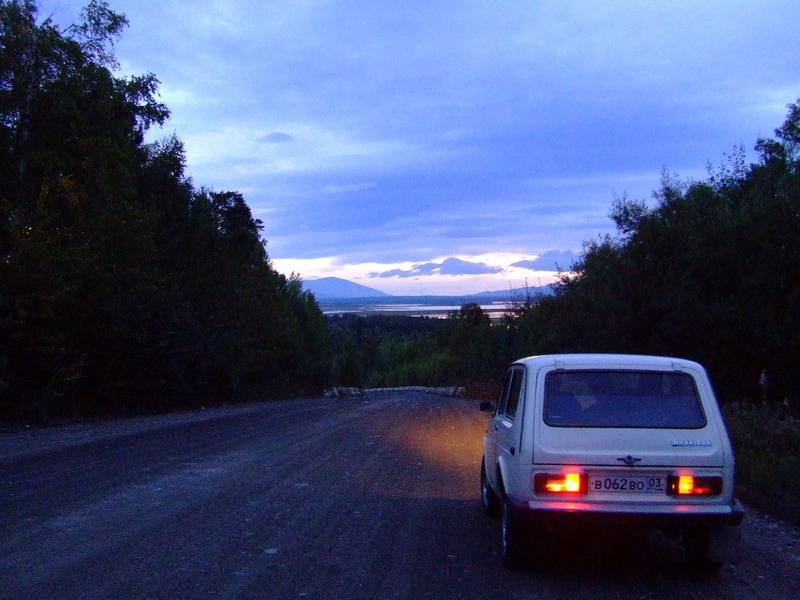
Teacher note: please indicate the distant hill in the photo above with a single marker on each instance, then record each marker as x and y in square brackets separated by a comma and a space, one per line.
[336, 290]
[327, 288]
[515, 294]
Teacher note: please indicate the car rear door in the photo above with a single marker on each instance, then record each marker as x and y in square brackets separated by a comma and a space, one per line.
[565, 437]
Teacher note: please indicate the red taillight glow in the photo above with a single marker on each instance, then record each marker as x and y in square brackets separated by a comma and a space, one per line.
[560, 483]
[687, 485]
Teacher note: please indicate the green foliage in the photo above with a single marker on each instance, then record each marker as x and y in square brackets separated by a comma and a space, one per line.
[383, 350]
[767, 442]
[473, 346]
[386, 350]
[122, 287]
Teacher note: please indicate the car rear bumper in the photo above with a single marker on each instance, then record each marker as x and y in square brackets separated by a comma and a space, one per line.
[662, 517]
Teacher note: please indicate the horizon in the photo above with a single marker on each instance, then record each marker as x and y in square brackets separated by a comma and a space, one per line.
[441, 284]
[452, 147]
[328, 296]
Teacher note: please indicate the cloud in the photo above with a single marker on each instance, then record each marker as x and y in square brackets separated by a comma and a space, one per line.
[392, 134]
[394, 278]
[552, 260]
[276, 137]
[449, 266]
[343, 189]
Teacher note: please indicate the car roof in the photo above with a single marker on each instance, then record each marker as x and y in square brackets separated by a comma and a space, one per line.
[608, 361]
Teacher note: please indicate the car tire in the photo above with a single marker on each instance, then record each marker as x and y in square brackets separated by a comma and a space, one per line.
[514, 548]
[696, 543]
[489, 498]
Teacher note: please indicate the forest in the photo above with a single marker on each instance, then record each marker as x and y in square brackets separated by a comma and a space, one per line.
[127, 289]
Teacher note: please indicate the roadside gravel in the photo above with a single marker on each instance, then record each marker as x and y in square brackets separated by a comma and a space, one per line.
[17, 441]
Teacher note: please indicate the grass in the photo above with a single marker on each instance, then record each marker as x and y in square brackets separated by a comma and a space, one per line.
[766, 442]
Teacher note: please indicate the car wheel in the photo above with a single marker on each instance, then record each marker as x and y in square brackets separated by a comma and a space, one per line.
[696, 543]
[489, 498]
[514, 551]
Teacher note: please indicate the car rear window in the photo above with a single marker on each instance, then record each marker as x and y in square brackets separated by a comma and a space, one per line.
[645, 399]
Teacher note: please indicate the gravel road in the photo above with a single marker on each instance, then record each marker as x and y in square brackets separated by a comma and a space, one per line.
[373, 497]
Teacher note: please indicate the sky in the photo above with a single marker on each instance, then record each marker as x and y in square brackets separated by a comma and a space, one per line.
[454, 146]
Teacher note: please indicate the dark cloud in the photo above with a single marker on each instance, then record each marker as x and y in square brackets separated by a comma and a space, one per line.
[455, 266]
[276, 137]
[392, 273]
[552, 260]
[449, 266]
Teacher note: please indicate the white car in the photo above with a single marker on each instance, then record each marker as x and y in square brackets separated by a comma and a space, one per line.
[610, 440]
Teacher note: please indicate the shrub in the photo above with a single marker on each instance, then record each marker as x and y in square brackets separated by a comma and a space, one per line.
[766, 441]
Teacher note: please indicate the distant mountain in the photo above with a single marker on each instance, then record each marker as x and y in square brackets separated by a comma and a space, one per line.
[337, 290]
[334, 287]
[515, 294]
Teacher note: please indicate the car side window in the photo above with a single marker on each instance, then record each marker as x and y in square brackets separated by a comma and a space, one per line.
[514, 392]
[502, 402]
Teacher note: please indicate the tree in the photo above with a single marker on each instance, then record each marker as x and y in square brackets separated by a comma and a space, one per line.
[123, 288]
[472, 347]
[69, 146]
[708, 272]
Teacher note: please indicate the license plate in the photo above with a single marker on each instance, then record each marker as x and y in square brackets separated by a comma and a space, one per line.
[628, 484]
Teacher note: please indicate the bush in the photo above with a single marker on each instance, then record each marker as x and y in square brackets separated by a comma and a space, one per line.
[766, 441]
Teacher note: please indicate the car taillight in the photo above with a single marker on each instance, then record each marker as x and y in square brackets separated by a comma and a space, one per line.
[687, 485]
[560, 483]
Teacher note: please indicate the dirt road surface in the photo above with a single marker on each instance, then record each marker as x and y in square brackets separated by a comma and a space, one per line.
[373, 497]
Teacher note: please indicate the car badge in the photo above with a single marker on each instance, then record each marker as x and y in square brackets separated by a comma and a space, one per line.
[629, 460]
[691, 443]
